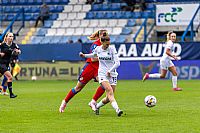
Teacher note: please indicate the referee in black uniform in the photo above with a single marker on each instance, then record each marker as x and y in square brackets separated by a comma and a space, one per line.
[7, 50]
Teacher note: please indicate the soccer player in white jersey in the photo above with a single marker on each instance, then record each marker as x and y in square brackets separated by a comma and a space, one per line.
[166, 63]
[108, 63]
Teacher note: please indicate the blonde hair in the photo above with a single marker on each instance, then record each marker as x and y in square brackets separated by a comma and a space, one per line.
[96, 35]
[168, 35]
[5, 37]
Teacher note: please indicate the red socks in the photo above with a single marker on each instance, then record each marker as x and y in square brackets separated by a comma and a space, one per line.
[70, 94]
[98, 93]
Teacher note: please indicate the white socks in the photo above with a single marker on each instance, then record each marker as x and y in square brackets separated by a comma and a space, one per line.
[115, 106]
[174, 81]
[100, 104]
[155, 75]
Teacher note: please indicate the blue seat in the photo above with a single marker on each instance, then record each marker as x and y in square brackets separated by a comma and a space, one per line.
[56, 39]
[96, 7]
[38, 2]
[84, 39]
[90, 15]
[150, 1]
[150, 6]
[108, 15]
[128, 15]
[59, 8]
[52, 8]
[42, 32]
[27, 9]
[112, 38]
[35, 16]
[53, 16]
[5, 2]
[14, 2]
[4, 18]
[121, 39]
[146, 14]
[8, 9]
[31, 2]
[115, 7]
[36, 40]
[16, 9]
[119, 15]
[131, 22]
[35, 9]
[19, 18]
[46, 39]
[22, 2]
[64, 1]
[126, 31]
[99, 15]
[65, 39]
[55, 1]
[10, 17]
[75, 38]
[136, 14]
[48, 24]
[105, 7]
[48, 2]
[28, 17]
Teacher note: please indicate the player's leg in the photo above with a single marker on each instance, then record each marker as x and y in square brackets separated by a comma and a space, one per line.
[99, 92]
[110, 87]
[74, 91]
[172, 69]
[9, 82]
[4, 86]
[163, 67]
[100, 104]
[70, 95]
[85, 76]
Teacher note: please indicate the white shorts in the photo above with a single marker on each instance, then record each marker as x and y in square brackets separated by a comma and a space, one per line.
[165, 64]
[111, 80]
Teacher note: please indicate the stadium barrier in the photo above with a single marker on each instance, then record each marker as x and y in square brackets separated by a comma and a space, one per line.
[50, 70]
[136, 59]
[126, 52]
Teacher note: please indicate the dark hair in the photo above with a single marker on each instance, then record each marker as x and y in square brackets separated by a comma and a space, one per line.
[105, 38]
[103, 31]
[170, 32]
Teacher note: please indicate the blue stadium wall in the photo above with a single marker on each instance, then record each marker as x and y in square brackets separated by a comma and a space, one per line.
[136, 59]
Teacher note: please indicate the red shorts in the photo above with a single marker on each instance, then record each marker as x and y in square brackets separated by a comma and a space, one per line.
[88, 72]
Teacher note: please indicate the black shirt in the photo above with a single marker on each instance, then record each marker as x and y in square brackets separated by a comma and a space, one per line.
[8, 50]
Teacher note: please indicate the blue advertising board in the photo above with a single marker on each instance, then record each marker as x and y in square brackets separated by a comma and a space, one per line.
[187, 69]
[49, 52]
[153, 51]
[126, 52]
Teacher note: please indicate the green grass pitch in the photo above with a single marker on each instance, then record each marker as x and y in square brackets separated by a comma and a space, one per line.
[35, 110]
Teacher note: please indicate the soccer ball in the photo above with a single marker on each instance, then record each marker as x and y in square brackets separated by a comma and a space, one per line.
[33, 78]
[150, 101]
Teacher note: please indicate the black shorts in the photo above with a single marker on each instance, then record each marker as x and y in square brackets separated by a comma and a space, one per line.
[3, 68]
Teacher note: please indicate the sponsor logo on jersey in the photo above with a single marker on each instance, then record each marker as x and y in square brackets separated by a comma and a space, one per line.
[105, 58]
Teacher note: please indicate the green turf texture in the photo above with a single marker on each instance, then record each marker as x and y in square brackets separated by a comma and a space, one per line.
[35, 110]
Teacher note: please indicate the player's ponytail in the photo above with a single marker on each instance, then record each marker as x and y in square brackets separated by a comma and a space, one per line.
[96, 34]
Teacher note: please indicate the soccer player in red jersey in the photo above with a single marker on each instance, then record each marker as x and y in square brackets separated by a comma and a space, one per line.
[89, 71]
